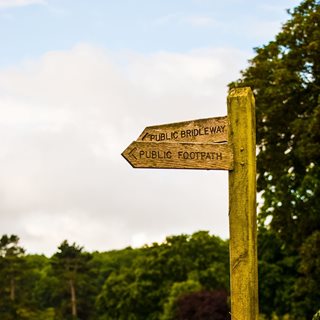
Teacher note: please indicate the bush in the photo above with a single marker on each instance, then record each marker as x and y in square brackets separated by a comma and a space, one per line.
[203, 305]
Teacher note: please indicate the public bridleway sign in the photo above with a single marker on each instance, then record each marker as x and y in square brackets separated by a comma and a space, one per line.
[201, 130]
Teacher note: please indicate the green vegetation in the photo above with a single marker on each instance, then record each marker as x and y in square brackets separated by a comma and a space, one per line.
[144, 283]
[285, 78]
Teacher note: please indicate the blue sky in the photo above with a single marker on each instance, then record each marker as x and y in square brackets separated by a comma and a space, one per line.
[145, 26]
[80, 80]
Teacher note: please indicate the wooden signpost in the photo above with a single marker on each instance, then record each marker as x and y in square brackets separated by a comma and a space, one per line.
[224, 143]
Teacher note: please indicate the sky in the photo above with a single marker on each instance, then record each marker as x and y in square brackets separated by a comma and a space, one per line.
[80, 80]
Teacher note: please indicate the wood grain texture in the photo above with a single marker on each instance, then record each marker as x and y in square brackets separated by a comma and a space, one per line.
[202, 130]
[242, 206]
[170, 155]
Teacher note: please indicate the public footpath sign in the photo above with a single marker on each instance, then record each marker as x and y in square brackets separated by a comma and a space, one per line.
[173, 155]
[223, 143]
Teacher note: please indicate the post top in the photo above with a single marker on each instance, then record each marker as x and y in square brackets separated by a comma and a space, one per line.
[241, 91]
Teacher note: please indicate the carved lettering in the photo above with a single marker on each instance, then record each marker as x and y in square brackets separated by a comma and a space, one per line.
[163, 136]
[190, 133]
[155, 154]
[179, 155]
[202, 131]
[185, 155]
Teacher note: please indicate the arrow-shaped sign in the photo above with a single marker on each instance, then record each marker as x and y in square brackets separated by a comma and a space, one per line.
[173, 155]
[201, 130]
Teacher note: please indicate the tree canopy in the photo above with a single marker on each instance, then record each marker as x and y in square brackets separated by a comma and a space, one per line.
[143, 283]
[285, 78]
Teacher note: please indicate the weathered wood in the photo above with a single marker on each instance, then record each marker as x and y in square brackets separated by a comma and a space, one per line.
[171, 155]
[201, 130]
[242, 206]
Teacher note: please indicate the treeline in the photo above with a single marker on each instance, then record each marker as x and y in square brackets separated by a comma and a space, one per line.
[185, 277]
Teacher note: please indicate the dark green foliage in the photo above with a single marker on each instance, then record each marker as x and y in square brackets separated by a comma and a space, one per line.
[11, 263]
[70, 265]
[20, 276]
[12, 270]
[140, 291]
[285, 77]
[277, 274]
[307, 293]
[124, 284]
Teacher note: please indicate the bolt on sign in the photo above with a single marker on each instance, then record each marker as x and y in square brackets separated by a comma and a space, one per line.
[222, 143]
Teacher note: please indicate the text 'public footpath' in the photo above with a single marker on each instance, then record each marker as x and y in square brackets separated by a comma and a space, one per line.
[183, 155]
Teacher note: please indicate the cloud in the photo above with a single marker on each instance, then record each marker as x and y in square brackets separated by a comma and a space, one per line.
[19, 3]
[66, 118]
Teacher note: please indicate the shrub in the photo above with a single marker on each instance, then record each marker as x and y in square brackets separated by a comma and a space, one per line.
[203, 305]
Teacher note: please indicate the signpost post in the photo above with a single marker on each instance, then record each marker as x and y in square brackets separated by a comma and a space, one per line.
[242, 206]
[223, 143]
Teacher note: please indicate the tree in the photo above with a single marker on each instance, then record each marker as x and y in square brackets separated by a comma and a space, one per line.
[20, 275]
[285, 78]
[70, 265]
[11, 271]
[39, 286]
[11, 254]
